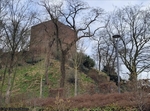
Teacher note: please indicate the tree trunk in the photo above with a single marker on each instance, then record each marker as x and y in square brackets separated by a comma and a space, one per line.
[47, 63]
[99, 57]
[8, 92]
[133, 76]
[3, 78]
[76, 81]
[9, 85]
[63, 71]
[46, 73]
[41, 86]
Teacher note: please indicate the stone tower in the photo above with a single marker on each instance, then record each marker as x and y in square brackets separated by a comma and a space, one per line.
[43, 36]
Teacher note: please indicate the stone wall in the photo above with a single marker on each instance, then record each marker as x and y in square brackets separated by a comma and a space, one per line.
[44, 34]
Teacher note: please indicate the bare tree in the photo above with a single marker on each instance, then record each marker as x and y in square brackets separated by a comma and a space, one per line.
[75, 9]
[104, 50]
[16, 26]
[82, 29]
[97, 52]
[77, 58]
[132, 23]
[3, 6]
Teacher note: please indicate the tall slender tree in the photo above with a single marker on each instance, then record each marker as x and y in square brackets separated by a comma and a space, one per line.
[3, 7]
[104, 49]
[76, 60]
[16, 26]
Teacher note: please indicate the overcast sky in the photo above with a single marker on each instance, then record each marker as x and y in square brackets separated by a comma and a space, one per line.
[110, 5]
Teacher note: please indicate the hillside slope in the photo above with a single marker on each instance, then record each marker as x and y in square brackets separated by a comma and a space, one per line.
[28, 76]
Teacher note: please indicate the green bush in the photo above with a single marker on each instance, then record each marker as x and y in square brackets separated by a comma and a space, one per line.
[88, 62]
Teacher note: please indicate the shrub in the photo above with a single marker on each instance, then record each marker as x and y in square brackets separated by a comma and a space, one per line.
[107, 87]
[33, 60]
[59, 92]
[98, 78]
[70, 78]
[110, 71]
[96, 102]
[88, 62]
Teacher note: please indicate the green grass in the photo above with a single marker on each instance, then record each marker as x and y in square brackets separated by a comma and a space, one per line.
[28, 77]
[85, 78]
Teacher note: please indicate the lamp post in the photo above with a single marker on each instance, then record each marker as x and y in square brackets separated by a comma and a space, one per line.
[116, 46]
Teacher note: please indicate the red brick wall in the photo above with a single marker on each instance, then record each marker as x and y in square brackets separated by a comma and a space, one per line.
[43, 33]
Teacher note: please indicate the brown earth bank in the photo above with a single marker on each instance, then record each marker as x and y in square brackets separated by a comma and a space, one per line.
[138, 100]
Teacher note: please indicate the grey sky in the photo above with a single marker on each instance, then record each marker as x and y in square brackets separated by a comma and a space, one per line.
[110, 5]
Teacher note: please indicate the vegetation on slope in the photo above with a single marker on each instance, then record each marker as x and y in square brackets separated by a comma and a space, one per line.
[28, 76]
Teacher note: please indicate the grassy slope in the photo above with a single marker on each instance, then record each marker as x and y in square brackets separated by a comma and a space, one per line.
[27, 80]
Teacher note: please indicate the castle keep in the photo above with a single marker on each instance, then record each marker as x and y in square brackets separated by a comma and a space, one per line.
[43, 36]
